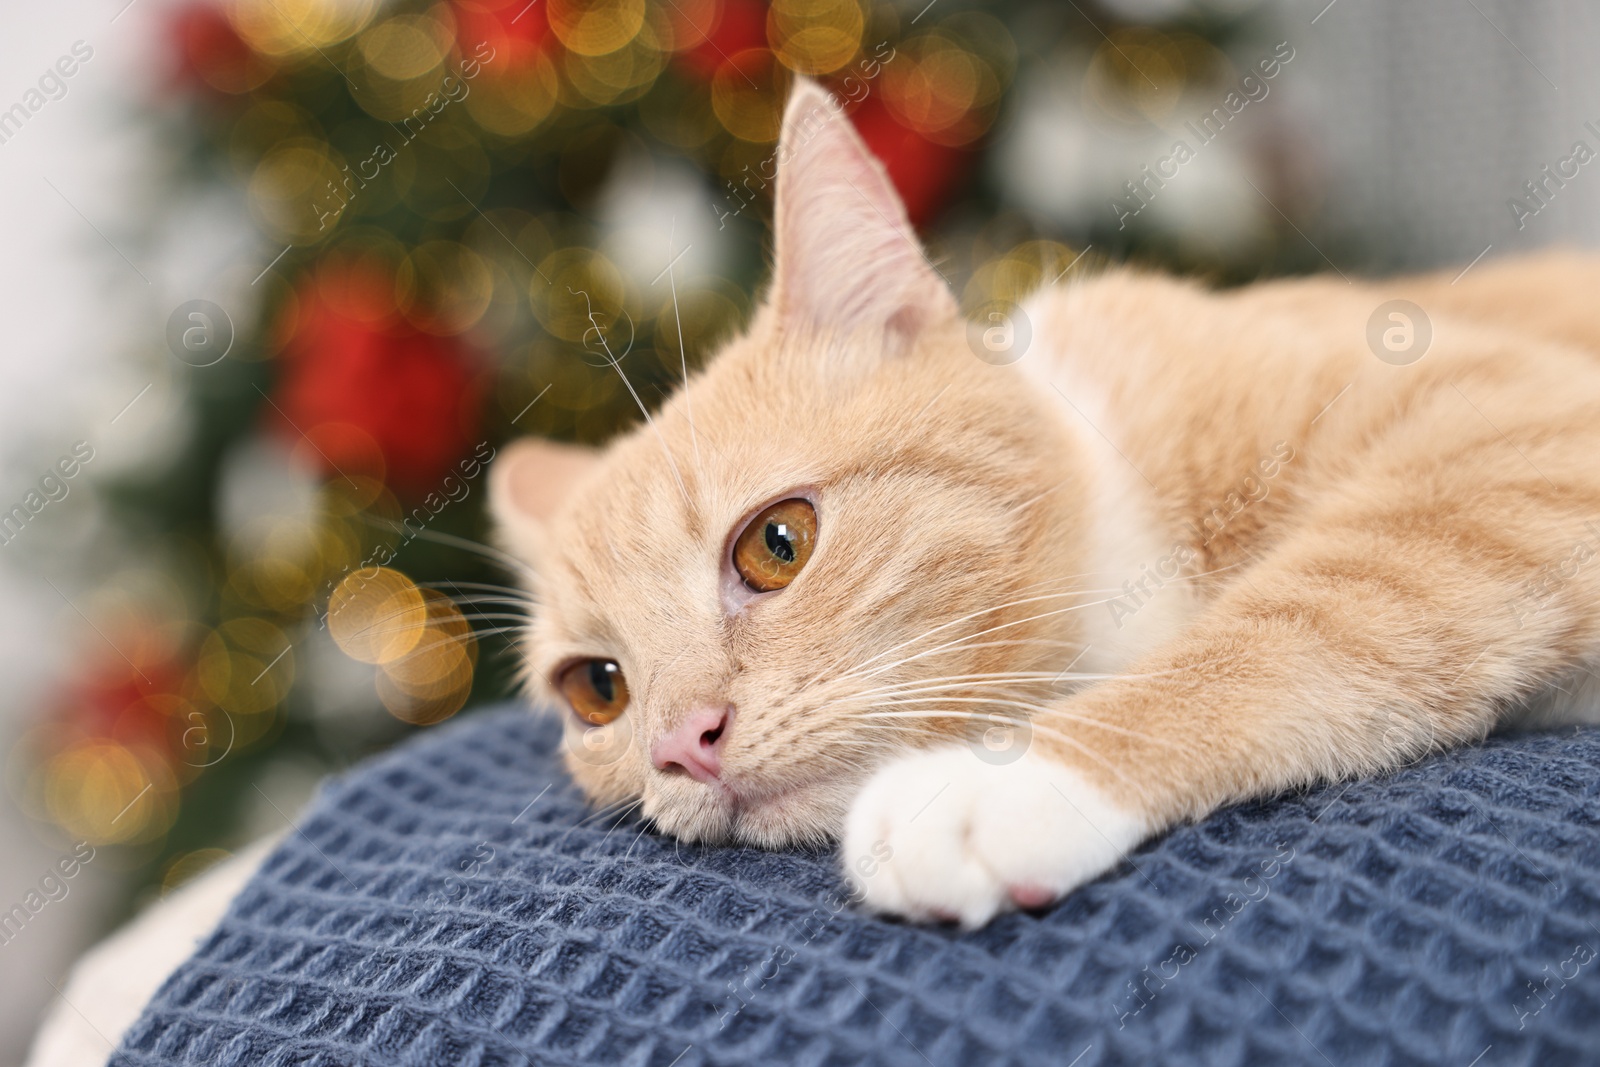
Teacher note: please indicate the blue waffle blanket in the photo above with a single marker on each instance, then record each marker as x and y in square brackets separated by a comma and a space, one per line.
[455, 902]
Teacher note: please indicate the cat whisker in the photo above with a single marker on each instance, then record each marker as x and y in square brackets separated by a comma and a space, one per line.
[636, 838]
[616, 365]
[1118, 591]
[1040, 709]
[958, 681]
[1074, 676]
[1039, 642]
[683, 356]
[973, 615]
[411, 609]
[487, 587]
[621, 817]
[436, 626]
[473, 603]
[1056, 734]
[617, 808]
[505, 559]
[858, 668]
[992, 629]
[496, 631]
[498, 616]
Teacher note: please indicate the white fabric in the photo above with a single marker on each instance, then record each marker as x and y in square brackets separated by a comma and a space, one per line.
[111, 984]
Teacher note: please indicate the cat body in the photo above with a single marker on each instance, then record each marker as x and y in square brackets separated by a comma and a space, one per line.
[991, 626]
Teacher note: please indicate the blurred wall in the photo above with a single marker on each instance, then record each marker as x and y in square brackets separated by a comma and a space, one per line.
[1429, 116]
[87, 281]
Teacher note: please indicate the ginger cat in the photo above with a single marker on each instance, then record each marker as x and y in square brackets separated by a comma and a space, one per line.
[993, 626]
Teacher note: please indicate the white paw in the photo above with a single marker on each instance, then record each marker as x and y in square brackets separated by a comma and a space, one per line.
[945, 835]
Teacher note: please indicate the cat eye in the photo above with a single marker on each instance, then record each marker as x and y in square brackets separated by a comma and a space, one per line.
[596, 690]
[775, 545]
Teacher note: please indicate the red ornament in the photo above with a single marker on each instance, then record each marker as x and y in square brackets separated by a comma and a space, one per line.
[721, 30]
[516, 29]
[208, 52]
[923, 171]
[113, 701]
[358, 379]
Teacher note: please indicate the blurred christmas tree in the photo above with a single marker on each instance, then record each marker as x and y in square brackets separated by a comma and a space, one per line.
[477, 206]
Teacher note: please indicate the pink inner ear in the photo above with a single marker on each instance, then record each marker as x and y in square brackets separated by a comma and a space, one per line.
[533, 478]
[847, 256]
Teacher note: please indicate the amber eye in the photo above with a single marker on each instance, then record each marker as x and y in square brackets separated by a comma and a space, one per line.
[776, 544]
[595, 689]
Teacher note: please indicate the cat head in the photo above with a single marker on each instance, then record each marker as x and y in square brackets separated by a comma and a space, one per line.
[833, 545]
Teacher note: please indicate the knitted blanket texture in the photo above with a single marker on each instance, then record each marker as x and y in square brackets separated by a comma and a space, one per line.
[454, 901]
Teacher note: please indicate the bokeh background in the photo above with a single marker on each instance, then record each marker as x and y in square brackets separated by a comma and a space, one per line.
[282, 274]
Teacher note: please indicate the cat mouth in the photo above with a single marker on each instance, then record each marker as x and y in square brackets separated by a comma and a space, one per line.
[762, 814]
[799, 813]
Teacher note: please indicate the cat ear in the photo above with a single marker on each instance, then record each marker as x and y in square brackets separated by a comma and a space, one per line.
[847, 257]
[529, 480]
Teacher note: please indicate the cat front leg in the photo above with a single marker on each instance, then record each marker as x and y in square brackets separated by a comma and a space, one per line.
[1348, 651]
[965, 838]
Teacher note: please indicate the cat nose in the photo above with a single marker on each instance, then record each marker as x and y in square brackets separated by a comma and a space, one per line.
[695, 747]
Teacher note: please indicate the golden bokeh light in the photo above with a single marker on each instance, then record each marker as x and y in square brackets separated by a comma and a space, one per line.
[618, 76]
[352, 277]
[584, 300]
[815, 36]
[685, 23]
[282, 27]
[442, 173]
[403, 62]
[595, 27]
[106, 793]
[512, 102]
[294, 191]
[940, 89]
[1136, 75]
[264, 124]
[405, 47]
[1013, 276]
[273, 560]
[350, 495]
[443, 287]
[747, 95]
[246, 667]
[432, 680]
[376, 615]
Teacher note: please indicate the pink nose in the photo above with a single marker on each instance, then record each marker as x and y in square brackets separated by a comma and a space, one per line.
[695, 747]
